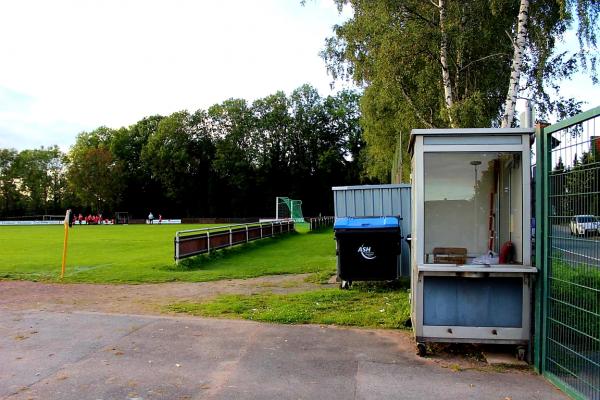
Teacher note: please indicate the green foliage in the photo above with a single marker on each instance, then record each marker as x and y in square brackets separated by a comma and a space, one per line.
[144, 253]
[9, 196]
[32, 181]
[576, 291]
[180, 152]
[95, 175]
[369, 307]
[138, 183]
[575, 188]
[573, 312]
[392, 49]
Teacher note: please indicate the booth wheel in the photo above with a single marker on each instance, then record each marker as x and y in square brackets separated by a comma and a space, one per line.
[421, 349]
[521, 353]
[345, 284]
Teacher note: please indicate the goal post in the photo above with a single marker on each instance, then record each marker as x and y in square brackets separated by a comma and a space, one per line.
[286, 208]
[282, 208]
[121, 218]
[296, 210]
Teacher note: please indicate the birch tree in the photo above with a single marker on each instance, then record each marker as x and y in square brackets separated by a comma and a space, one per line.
[537, 70]
[517, 60]
[422, 65]
[448, 98]
[450, 63]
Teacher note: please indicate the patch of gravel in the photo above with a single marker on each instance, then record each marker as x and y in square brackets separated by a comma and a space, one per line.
[137, 299]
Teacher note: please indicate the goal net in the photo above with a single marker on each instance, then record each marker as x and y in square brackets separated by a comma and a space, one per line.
[121, 218]
[287, 208]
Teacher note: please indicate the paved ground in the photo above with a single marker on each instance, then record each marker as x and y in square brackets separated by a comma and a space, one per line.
[85, 355]
[579, 249]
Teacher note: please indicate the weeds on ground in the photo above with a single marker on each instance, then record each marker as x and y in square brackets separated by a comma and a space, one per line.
[321, 277]
[363, 306]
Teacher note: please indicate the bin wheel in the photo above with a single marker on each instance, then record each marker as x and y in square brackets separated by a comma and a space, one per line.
[421, 349]
[521, 353]
[345, 284]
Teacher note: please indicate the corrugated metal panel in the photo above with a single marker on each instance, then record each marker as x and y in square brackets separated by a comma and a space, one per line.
[377, 201]
[371, 200]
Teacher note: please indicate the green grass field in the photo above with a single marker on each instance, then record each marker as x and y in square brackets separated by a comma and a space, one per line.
[143, 253]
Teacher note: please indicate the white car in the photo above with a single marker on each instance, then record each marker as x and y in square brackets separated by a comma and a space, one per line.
[584, 225]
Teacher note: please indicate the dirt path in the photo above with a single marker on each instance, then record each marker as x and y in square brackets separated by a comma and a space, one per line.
[136, 299]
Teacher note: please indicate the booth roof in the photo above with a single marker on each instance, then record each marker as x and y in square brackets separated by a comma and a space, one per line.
[466, 132]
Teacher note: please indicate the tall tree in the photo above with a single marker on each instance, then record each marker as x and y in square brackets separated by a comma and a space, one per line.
[10, 196]
[95, 175]
[449, 63]
[236, 153]
[41, 179]
[273, 124]
[126, 145]
[422, 65]
[179, 155]
[537, 71]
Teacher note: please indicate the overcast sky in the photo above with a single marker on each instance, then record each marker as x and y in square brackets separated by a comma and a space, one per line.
[73, 65]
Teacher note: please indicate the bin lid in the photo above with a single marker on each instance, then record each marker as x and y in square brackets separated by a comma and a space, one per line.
[366, 222]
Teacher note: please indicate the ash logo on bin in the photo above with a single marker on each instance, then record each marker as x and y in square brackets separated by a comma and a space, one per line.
[366, 252]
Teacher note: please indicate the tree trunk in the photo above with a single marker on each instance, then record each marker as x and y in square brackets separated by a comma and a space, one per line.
[444, 61]
[519, 48]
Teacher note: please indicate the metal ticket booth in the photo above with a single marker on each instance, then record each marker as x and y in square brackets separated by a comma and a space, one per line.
[471, 266]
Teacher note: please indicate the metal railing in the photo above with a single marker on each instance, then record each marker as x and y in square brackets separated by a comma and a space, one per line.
[568, 254]
[192, 242]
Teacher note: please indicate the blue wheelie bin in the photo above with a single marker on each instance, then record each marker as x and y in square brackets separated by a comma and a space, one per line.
[367, 248]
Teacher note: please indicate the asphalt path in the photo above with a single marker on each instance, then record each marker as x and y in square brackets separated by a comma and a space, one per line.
[68, 356]
[575, 249]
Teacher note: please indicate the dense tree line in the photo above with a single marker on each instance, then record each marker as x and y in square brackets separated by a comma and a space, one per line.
[231, 160]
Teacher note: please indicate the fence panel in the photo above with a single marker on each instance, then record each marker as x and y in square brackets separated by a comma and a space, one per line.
[198, 241]
[570, 253]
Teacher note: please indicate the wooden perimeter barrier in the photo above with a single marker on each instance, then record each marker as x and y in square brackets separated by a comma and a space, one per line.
[192, 242]
[320, 222]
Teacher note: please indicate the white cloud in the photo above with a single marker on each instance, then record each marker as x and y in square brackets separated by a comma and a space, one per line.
[83, 64]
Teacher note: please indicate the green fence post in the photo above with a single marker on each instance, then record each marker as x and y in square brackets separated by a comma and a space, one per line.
[545, 170]
[538, 319]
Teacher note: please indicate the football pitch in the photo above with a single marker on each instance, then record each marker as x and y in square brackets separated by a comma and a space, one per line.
[144, 253]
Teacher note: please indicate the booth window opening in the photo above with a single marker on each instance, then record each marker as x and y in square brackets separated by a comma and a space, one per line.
[473, 207]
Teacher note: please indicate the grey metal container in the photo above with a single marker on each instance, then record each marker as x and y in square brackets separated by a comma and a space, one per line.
[378, 201]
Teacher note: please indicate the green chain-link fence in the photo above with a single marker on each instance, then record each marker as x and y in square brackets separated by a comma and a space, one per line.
[568, 254]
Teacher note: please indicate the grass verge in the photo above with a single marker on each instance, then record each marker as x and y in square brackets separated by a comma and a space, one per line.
[362, 306]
